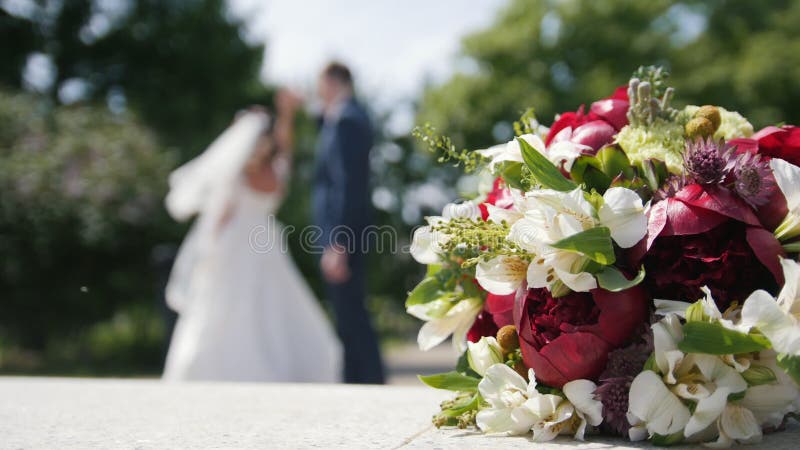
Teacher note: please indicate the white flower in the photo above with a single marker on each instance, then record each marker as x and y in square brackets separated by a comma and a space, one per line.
[483, 354]
[653, 408]
[562, 152]
[736, 424]
[426, 243]
[442, 320]
[501, 275]
[552, 216]
[787, 176]
[623, 213]
[777, 320]
[507, 394]
[517, 407]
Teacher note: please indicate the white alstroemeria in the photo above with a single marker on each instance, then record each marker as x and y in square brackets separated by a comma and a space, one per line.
[499, 215]
[736, 424]
[667, 307]
[624, 215]
[426, 243]
[653, 408]
[507, 394]
[787, 177]
[666, 334]
[484, 354]
[463, 210]
[551, 217]
[590, 410]
[778, 320]
[443, 319]
[511, 150]
[707, 412]
[425, 247]
[501, 275]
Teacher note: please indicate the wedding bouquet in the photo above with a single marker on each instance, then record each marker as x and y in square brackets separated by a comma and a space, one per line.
[629, 271]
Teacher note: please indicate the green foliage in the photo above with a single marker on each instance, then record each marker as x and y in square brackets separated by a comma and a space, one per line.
[80, 210]
[790, 364]
[451, 381]
[438, 143]
[556, 56]
[714, 339]
[595, 243]
[542, 170]
[611, 279]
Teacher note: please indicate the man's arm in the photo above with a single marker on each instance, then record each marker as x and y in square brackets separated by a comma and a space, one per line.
[344, 160]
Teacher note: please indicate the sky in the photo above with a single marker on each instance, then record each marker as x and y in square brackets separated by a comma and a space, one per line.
[393, 46]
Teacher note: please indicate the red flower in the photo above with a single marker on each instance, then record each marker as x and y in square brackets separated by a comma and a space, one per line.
[605, 118]
[783, 143]
[497, 313]
[500, 196]
[707, 236]
[569, 338]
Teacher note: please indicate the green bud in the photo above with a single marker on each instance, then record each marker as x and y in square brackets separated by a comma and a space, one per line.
[696, 313]
[758, 374]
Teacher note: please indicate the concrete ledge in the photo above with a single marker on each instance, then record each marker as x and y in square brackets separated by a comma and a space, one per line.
[148, 414]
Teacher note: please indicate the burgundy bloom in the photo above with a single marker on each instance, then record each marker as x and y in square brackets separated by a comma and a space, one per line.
[707, 161]
[483, 326]
[754, 180]
[613, 394]
[707, 236]
[569, 338]
[611, 112]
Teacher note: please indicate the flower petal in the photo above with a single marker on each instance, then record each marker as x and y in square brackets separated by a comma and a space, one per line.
[787, 176]
[423, 249]
[707, 411]
[581, 394]
[501, 275]
[491, 420]
[651, 402]
[762, 311]
[498, 379]
[623, 213]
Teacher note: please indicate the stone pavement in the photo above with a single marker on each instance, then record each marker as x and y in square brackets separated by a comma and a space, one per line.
[54, 413]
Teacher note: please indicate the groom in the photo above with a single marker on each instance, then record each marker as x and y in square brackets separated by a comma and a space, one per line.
[341, 211]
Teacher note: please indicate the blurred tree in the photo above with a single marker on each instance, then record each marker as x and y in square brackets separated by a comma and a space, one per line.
[181, 65]
[80, 204]
[557, 55]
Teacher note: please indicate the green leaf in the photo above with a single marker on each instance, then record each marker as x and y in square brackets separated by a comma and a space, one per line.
[511, 173]
[791, 365]
[650, 364]
[588, 170]
[666, 441]
[432, 269]
[611, 279]
[595, 243]
[426, 291]
[543, 170]
[452, 381]
[714, 339]
[465, 405]
[462, 366]
[614, 162]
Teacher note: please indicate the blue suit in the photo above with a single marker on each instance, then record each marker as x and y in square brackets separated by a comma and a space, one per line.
[342, 212]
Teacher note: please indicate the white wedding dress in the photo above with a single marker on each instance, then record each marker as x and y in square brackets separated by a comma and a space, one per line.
[245, 312]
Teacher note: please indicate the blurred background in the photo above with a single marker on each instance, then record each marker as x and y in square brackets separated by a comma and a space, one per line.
[100, 100]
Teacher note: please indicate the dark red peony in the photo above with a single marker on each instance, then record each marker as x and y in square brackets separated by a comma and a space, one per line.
[707, 236]
[569, 338]
[597, 128]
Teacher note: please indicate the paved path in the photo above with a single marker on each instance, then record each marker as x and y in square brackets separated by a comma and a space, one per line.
[52, 413]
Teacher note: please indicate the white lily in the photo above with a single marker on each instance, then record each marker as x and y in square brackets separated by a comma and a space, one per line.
[624, 214]
[507, 394]
[787, 177]
[501, 275]
[778, 320]
[653, 408]
[511, 150]
[483, 354]
[443, 319]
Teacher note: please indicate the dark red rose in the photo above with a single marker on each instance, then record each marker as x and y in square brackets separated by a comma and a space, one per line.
[500, 196]
[612, 111]
[570, 337]
[707, 236]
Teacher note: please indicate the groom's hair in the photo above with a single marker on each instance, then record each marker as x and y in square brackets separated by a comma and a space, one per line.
[339, 72]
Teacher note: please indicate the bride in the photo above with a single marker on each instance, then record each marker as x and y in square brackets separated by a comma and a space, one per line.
[245, 314]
